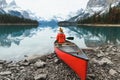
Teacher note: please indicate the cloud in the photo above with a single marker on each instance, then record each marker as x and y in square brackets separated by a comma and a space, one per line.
[48, 8]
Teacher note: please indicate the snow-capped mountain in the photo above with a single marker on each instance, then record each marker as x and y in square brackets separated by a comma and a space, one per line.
[12, 9]
[58, 17]
[94, 6]
[100, 5]
[3, 4]
[2, 11]
[12, 4]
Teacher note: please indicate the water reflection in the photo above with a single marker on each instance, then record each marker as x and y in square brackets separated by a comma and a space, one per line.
[96, 36]
[17, 41]
[14, 34]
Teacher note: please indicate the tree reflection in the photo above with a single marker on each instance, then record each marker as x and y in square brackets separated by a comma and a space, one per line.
[103, 35]
[14, 34]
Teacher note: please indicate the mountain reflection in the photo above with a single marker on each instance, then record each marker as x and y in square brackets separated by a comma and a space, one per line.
[93, 36]
[14, 34]
[96, 36]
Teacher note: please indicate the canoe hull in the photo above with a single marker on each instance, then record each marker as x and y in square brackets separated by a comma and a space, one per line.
[78, 65]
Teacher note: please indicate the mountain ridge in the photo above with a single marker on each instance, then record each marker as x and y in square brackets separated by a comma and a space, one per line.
[94, 6]
[14, 10]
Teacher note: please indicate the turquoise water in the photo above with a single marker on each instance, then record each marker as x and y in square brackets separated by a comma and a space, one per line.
[17, 41]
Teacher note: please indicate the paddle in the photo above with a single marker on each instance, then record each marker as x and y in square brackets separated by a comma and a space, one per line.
[69, 38]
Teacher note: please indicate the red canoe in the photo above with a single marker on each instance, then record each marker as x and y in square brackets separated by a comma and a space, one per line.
[75, 58]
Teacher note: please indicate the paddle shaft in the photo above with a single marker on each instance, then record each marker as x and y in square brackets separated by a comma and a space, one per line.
[69, 38]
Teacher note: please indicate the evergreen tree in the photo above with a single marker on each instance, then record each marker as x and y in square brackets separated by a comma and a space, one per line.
[112, 17]
[6, 18]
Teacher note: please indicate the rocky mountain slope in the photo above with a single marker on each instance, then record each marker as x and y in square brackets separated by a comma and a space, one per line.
[95, 6]
[12, 9]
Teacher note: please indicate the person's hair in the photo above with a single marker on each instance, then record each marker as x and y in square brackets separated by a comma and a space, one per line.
[61, 30]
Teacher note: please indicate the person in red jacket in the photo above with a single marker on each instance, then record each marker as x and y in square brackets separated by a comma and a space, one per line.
[61, 38]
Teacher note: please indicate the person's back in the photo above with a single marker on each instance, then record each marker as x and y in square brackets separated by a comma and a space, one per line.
[61, 38]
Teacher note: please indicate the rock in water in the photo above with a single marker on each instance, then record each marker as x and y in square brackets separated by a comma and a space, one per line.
[2, 61]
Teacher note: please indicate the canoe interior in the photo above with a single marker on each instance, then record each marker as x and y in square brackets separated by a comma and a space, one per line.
[72, 49]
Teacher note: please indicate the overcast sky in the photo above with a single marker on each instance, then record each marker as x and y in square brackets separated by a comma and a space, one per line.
[47, 8]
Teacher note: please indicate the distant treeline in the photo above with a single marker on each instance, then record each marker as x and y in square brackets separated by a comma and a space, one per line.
[112, 17]
[66, 23]
[6, 18]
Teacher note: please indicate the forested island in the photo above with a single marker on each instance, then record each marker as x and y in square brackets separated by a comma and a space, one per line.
[112, 17]
[6, 19]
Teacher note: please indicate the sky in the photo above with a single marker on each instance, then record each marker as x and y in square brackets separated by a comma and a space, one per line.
[49, 8]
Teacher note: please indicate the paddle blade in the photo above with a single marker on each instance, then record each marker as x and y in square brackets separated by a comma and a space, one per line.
[70, 38]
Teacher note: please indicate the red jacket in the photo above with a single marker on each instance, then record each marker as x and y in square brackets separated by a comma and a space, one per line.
[60, 37]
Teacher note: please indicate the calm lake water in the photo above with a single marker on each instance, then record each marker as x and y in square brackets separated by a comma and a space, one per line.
[17, 41]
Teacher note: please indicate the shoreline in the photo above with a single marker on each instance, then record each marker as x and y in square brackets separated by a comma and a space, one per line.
[47, 67]
[100, 25]
[18, 24]
[103, 64]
